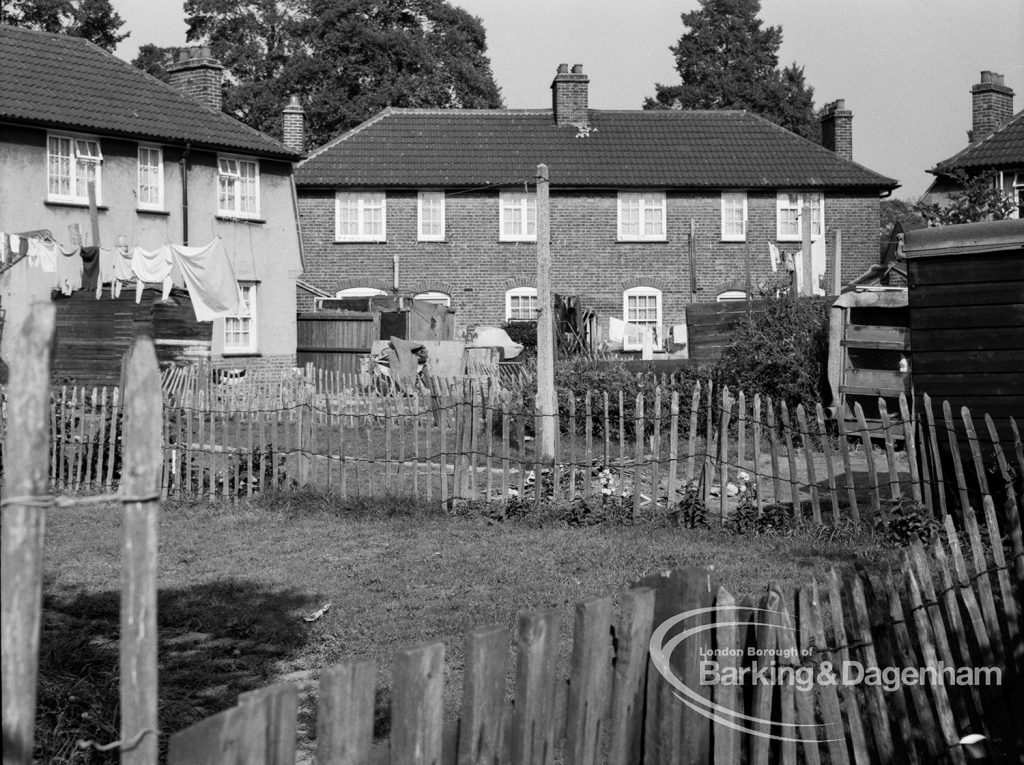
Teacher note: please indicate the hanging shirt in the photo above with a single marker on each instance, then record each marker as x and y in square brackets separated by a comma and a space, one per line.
[210, 279]
[152, 267]
[43, 255]
[105, 270]
[69, 270]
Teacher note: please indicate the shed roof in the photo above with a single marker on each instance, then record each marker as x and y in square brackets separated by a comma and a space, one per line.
[55, 80]
[964, 239]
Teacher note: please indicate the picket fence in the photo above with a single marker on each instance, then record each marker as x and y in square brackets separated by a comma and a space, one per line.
[955, 603]
[472, 440]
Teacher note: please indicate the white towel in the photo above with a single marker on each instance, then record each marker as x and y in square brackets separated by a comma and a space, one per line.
[210, 278]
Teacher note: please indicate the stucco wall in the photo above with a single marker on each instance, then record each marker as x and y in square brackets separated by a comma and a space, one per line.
[266, 250]
[477, 269]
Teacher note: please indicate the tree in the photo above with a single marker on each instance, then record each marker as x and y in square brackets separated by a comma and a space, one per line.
[347, 59]
[979, 198]
[894, 210]
[728, 60]
[95, 20]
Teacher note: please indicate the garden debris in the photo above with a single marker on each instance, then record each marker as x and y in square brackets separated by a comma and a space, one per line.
[317, 614]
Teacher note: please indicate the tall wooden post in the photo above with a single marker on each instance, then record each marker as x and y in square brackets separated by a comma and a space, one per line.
[26, 466]
[808, 269]
[546, 405]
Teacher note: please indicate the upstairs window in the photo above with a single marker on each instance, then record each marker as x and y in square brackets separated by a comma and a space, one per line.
[360, 216]
[238, 187]
[240, 329]
[789, 209]
[734, 216]
[521, 304]
[71, 163]
[430, 218]
[518, 216]
[151, 178]
[642, 216]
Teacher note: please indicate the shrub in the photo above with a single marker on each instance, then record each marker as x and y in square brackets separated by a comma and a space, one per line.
[781, 351]
[524, 333]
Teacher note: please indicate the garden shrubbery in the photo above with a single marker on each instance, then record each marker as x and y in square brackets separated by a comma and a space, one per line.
[781, 351]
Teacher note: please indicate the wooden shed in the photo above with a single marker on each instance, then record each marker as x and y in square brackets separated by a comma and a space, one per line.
[966, 304]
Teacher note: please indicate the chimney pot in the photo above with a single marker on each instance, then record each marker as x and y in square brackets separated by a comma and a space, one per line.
[577, 68]
[563, 68]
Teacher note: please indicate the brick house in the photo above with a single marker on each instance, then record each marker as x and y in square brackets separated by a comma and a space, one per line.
[441, 203]
[996, 142]
[168, 167]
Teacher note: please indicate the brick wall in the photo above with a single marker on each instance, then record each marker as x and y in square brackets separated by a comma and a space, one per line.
[476, 269]
[257, 367]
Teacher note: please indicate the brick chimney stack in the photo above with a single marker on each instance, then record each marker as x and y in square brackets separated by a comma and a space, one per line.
[837, 129]
[991, 106]
[294, 132]
[198, 75]
[569, 96]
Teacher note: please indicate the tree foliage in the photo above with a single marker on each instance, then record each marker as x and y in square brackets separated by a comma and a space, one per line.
[728, 59]
[892, 211]
[347, 59]
[979, 198]
[95, 20]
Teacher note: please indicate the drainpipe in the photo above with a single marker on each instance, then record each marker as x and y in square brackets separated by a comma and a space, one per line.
[394, 261]
[183, 164]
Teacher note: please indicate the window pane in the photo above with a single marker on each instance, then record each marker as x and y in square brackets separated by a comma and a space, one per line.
[630, 215]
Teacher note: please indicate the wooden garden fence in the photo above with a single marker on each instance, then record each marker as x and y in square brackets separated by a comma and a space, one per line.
[467, 440]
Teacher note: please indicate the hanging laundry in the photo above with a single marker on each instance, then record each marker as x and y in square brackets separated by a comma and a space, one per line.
[210, 278]
[773, 252]
[43, 255]
[819, 262]
[105, 270]
[152, 266]
[122, 270]
[90, 267]
[69, 270]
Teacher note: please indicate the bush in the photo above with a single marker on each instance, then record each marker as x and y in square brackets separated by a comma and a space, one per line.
[781, 351]
[524, 333]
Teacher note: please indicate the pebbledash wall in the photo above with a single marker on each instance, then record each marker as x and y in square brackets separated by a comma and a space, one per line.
[476, 269]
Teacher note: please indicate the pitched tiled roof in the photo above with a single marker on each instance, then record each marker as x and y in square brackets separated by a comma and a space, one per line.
[1001, 148]
[61, 81]
[666, 149]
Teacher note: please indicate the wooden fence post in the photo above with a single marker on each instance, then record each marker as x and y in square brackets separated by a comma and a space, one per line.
[141, 497]
[24, 521]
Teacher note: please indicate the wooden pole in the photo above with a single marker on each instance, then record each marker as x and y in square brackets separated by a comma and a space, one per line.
[24, 523]
[94, 218]
[808, 267]
[837, 274]
[546, 405]
[142, 461]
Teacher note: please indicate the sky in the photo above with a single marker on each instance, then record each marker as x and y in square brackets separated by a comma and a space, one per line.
[904, 67]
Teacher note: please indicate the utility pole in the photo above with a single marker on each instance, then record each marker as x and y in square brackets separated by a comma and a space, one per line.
[546, 405]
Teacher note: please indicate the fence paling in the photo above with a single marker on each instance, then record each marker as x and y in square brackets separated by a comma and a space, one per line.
[890, 451]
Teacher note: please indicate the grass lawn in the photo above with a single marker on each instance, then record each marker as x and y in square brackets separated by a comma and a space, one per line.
[235, 583]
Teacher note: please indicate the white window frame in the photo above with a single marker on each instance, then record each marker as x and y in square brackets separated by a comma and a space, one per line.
[1018, 195]
[83, 152]
[230, 179]
[158, 169]
[784, 207]
[430, 202]
[520, 292]
[244, 323]
[362, 204]
[646, 202]
[634, 292]
[729, 208]
[441, 298]
[512, 228]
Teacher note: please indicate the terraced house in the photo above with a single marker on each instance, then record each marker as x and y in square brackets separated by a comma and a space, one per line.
[442, 204]
[166, 167]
